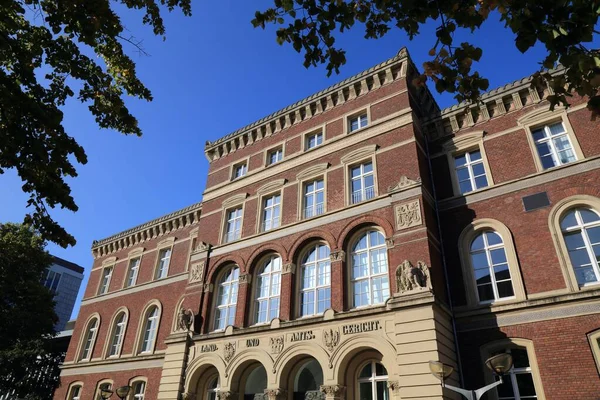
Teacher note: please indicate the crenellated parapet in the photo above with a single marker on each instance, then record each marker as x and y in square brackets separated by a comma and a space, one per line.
[346, 90]
[150, 230]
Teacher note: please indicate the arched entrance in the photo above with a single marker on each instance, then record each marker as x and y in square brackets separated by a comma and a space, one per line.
[254, 382]
[205, 383]
[307, 380]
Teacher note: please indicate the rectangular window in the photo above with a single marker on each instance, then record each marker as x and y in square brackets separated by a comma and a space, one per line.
[271, 212]
[314, 198]
[274, 156]
[233, 227]
[132, 274]
[239, 170]
[52, 280]
[470, 171]
[313, 140]
[553, 145]
[357, 122]
[105, 282]
[163, 263]
[362, 183]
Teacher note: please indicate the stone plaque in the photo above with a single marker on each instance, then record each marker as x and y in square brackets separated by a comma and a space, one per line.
[408, 215]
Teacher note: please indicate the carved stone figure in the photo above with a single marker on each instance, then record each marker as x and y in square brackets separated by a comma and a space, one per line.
[331, 338]
[333, 391]
[408, 215]
[226, 395]
[275, 394]
[410, 278]
[228, 351]
[203, 246]
[337, 255]
[197, 272]
[185, 319]
[289, 268]
[244, 278]
[276, 344]
[393, 386]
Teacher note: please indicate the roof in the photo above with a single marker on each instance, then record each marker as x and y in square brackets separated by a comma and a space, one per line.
[67, 264]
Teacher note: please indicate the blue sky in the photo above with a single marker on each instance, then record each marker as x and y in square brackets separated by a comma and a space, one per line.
[214, 73]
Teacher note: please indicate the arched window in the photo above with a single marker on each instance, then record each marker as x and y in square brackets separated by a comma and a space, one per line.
[103, 386]
[118, 332]
[212, 389]
[89, 339]
[372, 382]
[227, 293]
[315, 281]
[490, 265]
[268, 287]
[75, 391]
[370, 280]
[581, 231]
[150, 328]
[138, 390]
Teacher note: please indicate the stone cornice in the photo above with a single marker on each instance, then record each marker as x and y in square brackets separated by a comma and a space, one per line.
[149, 230]
[348, 89]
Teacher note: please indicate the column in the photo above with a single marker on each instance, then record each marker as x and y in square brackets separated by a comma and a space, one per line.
[286, 293]
[334, 392]
[206, 300]
[172, 375]
[275, 394]
[243, 301]
[338, 258]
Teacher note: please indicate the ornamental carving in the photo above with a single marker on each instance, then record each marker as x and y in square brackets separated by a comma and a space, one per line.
[289, 268]
[333, 390]
[203, 246]
[404, 182]
[227, 395]
[244, 278]
[228, 351]
[188, 396]
[339, 255]
[185, 319]
[410, 278]
[393, 386]
[197, 272]
[314, 395]
[408, 215]
[276, 344]
[208, 287]
[275, 394]
[331, 338]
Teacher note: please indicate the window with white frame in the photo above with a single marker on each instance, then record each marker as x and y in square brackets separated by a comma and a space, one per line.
[139, 390]
[362, 182]
[314, 198]
[313, 140]
[370, 281]
[89, 339]
[491, 269]
[212, 389]
[470, 171]
[274, 156]
[518, 383]
[117, 335]
[271, 212]
[553, 145]
[268, 287]
[240, 170]
[75, 392]
[372, 382]
[162, 269]
[227, 293]
[357, 122]
[132, 271]
[52, 280]
[105, 280]
[581, 232]
[150, 327]
[315, 292]
[233, 225]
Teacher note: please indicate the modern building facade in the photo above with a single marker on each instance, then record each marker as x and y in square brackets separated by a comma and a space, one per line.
[347, 240]
[64, 280]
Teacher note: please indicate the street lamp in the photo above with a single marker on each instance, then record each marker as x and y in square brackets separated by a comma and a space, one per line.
[500, 364]
[123, 391]
[105, 393]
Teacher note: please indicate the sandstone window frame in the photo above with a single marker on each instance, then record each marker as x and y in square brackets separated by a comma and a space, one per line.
[468, 234]
[308, 175]
[487, 350]
[234, 167]
[136, 253]
[461, 144]
[193, 238]
[108, 264]
[274, 149]
[362, 155]
[310, 133]
[97, 393]
[231, 203]
[133, 382]
[163, 245]
[95, 317]
[348, 117]
[255, 291]
[352, 242]
[554, 217]
[594, 339]
[299, 280]
[215, 306]
[141, 329]
[544, 117]
[71, 395]
[112, 330]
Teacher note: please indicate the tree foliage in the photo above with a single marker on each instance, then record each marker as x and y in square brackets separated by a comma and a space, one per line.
[563, 27]
[27, 315]
[47, 47]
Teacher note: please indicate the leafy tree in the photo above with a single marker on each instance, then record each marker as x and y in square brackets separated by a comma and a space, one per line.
[28, 361]
[46, 46]
[562, 27]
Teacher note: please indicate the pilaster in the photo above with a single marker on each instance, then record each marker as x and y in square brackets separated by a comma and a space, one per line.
[334, 392]
[173, 372]
[337, 278]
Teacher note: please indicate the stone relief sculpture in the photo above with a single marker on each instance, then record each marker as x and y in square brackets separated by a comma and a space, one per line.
[408, 215]
[276, 344]
[410, 278]
[197, 272]
[403, 182]
[228, 351]
[185, 319]
[331, 338]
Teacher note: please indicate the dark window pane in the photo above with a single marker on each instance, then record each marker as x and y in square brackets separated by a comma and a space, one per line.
[485, 292]
[588, 216]
[574, 240]
[481, 182]
[465, 187]
[366, 372]
[505, 289]
[366, 392]
[482, 276]
[525, 384]
[501, 272]
[568, 220]
[506, 389]
[520, 359]
[380, 370]
[493, 238]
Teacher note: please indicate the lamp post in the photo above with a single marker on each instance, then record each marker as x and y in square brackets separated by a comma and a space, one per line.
[105, 393]
[123, 391]
[500, 364]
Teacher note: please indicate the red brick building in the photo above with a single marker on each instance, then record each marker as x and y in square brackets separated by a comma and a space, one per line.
[348, 239]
